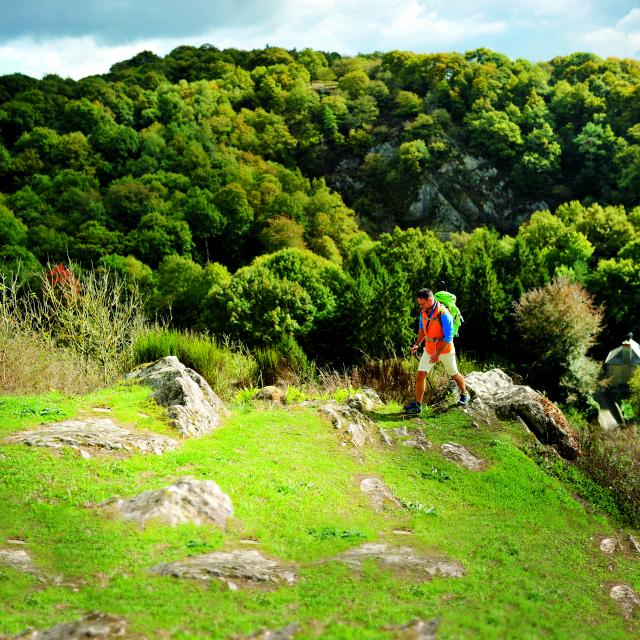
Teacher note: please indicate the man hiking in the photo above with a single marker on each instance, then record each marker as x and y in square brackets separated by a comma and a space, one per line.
[436, 330]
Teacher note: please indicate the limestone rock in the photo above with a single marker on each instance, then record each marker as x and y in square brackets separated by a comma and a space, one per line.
[100, 626]
[281, 634]
[378, 493]
[94, 432]
[419, 630]
[20, 560]
[403, 559]
[463, 458]
[191, 403]
[494, 393]
[246, 566]
[413, 437]
[608, 545]
[188, 500]
[626, 597]
[270, 393]
[353, 425]
[365, 400]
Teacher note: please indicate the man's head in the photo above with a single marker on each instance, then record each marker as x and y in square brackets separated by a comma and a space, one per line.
[425, 297]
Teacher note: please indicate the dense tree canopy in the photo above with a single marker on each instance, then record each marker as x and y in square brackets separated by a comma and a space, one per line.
[331, 186]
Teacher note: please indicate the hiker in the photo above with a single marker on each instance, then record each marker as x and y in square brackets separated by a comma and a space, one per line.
[436, 330]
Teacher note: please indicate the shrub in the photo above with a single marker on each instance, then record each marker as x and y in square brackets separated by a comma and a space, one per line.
[558, 323]
[224, 367]
[286, 363]
[30, 363]
[38, 352]
[613, 465]
[96, 316]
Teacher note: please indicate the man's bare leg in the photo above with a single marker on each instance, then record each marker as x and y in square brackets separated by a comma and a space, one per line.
[459, 380]
[421, 384]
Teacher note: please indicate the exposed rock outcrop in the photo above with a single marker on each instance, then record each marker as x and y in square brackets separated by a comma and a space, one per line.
[626, 597]
[463, 458]
[20, 560]
[379, 494]
[270, 393]
[365, 400]
[188, 500]
[413, 437]
[100, 626]
[101, 433]
[354, 426]
[244, 566]
[402, 559]
[192, 405]
[419, 630]
[495, 395]
[286, 633]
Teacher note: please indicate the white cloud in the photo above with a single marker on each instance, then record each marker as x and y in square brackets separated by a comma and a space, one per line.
[537, 29]
[613, 43]
[67, 57]
[414, 24]
[621, 41]
[631, 22]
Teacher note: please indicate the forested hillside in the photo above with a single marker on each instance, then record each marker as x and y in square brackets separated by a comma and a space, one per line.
[330, 188]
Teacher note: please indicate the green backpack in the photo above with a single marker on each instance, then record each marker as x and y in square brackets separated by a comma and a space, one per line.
[449, 301]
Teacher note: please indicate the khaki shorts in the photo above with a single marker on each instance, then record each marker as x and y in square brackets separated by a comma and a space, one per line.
[447, 359]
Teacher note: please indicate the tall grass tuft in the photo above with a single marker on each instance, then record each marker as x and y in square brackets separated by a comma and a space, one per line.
[73, 335]
[395, 378]
[616, 466]
[285, 364]
[224, 367]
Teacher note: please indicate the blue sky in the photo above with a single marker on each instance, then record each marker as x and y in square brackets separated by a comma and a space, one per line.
[77, 38]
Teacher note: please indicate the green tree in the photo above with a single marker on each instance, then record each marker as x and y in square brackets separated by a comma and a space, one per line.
[558, 324]
[12, 230]
[557, 243]
[493, 134]
[407, 104]
[281, 232]
[157, 236]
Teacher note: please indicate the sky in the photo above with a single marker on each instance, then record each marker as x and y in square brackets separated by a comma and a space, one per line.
[77, 38]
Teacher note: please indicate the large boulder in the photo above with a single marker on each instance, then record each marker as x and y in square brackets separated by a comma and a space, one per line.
[187, 501]
[192, 404]
[495, 394]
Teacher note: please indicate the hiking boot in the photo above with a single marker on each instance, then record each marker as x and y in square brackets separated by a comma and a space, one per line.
[413, 408]
[464, 400]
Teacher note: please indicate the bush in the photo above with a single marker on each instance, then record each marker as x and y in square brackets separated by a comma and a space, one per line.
[96, 316]
[30, 363]
[287, 363]
[558, 323]
[611, 466]
[75, 336]
[223, 367]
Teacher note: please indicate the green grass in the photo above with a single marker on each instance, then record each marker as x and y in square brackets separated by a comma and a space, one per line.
[223, 368]
[529, 548]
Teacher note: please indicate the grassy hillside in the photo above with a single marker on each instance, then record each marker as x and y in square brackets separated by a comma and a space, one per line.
[529, 546]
